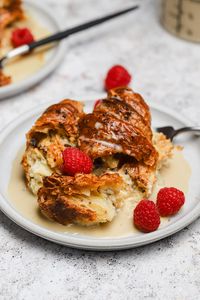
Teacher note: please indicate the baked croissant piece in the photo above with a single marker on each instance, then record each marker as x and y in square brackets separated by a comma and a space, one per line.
[135, 100]
[120, 124]
[55, 130]
[118, 136]
[85, 199]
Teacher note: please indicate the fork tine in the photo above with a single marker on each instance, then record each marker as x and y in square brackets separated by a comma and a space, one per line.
[168, 131]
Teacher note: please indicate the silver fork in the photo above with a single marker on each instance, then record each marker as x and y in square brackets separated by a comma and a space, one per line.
[170, 132]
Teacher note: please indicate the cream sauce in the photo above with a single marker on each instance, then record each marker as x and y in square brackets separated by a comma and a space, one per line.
[22, 67]
[122, 225]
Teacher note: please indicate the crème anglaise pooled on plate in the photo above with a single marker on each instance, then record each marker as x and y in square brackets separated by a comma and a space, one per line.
[127, 157]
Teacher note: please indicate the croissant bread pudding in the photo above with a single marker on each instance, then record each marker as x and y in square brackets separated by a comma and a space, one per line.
[10, 12]
[127, 157]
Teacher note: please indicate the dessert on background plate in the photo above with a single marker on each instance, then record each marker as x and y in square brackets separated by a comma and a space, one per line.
[36, 22]
[10, 12]
[85, 169]
[17, 27]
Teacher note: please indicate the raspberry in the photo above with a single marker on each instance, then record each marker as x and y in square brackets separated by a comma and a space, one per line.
[97, 103]
[76, 161]
[146, 217]
[117, 76]
[169, 201]
[21, 36]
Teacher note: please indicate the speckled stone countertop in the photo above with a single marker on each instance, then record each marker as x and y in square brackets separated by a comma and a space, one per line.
[165, 70]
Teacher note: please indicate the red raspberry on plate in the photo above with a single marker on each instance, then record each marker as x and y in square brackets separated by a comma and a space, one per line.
[145, 216]
[21, 36]
[117, 76]
[76, 161]
[169, 201]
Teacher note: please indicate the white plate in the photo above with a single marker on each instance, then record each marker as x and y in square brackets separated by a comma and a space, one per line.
[48, 20]
[12, 138]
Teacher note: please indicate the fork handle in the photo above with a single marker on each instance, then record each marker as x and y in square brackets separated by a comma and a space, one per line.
[195, 129]
[63, 34]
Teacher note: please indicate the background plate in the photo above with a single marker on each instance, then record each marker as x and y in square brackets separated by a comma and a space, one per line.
[12, 138]
[53, 57]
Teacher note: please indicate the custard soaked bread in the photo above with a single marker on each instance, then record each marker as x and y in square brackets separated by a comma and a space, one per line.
[117, 136]
[84, 199]
[87, 199]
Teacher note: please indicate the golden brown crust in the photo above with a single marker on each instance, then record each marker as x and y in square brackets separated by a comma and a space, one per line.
[120, 124]
[113, 136]
[145, 176]
[56, 129]
[125, 112]
[76, 185]
[10, 4]
[10, 11]
[61, 118]
[4, 79]
[135, 100]
[65, 211]
[64, 199]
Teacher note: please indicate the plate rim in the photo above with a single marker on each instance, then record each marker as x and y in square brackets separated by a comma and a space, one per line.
[46, 69]
[92, 243]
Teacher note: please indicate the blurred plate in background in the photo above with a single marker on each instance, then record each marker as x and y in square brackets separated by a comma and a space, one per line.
[52, 57]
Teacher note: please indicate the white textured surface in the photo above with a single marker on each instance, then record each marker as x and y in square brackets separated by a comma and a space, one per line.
[165, 70]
